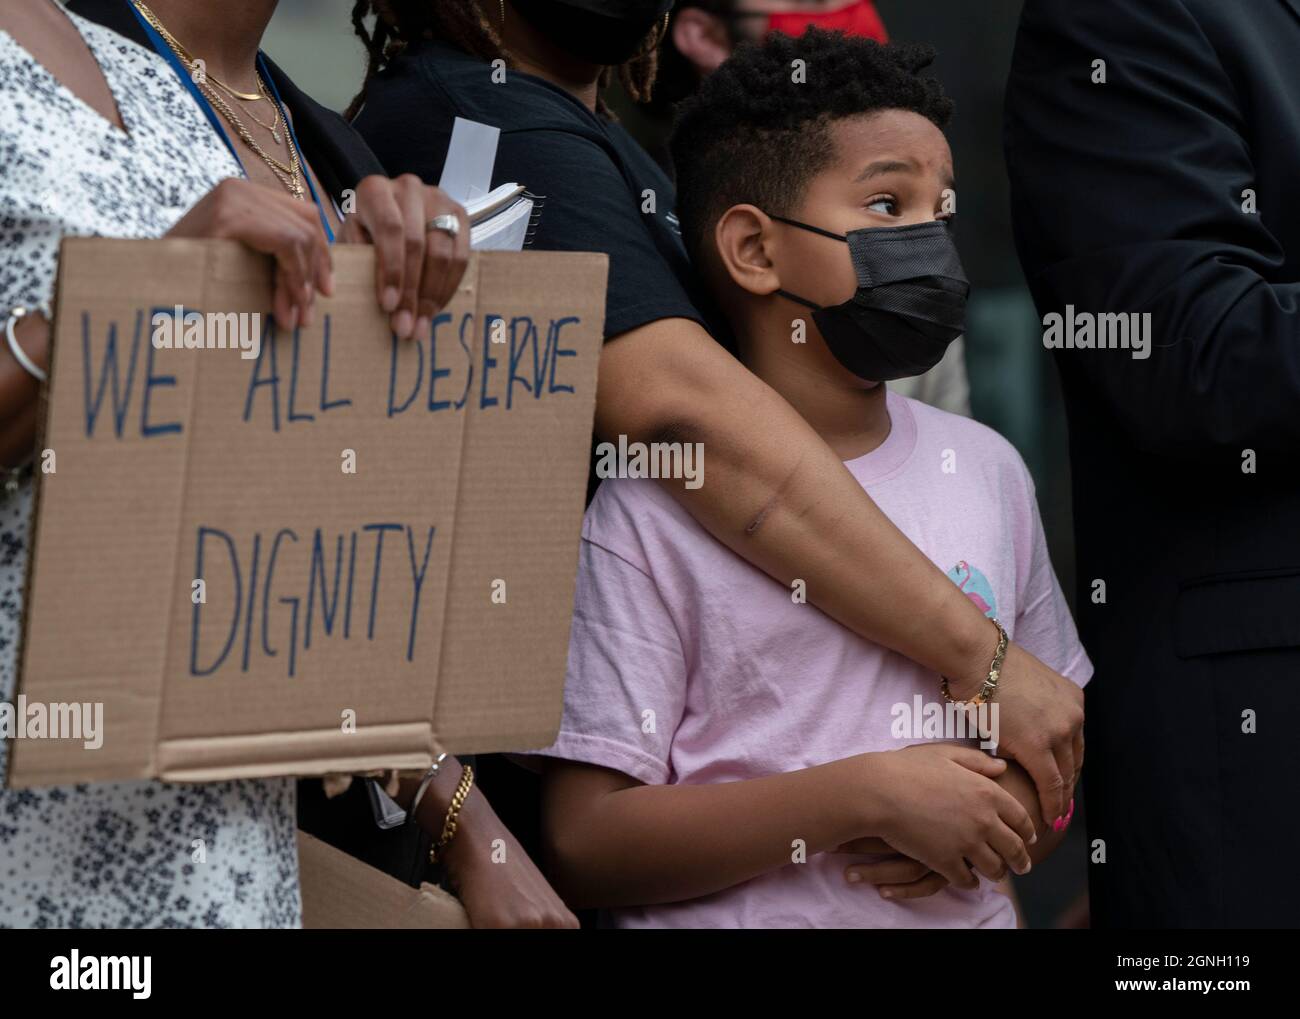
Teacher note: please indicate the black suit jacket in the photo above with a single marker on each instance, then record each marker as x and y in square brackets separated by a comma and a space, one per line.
[335, 151]
[1133, 195]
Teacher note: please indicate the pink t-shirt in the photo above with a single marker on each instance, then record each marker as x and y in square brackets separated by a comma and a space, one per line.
[743, 681]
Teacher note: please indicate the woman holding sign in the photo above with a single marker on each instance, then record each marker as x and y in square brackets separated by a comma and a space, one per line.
[170, 122]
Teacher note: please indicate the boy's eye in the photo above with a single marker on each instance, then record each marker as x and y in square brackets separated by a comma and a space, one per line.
[884, 205]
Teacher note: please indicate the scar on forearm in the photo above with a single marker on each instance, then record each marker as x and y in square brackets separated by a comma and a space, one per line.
[752, 527]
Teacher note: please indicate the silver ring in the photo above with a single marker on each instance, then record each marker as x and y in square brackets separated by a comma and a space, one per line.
[447, 223]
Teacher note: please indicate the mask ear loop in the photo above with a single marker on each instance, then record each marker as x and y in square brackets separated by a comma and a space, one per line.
[812, 229]
[809, 227]
[798, 300]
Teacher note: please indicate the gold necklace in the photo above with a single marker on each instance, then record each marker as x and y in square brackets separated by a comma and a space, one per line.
[274, 126]
[290, 174]
[184, 54]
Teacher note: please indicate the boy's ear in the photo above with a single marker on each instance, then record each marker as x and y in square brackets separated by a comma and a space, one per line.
[744, 238]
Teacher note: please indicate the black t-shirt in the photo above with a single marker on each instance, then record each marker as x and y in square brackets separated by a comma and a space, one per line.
[592, 176]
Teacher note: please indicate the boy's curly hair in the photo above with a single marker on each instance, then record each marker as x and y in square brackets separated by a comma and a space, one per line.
[753, 134]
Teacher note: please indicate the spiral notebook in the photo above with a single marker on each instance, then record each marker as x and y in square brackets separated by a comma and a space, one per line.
[502, 218]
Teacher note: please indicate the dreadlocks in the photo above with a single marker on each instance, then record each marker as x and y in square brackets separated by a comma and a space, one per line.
[463, 24]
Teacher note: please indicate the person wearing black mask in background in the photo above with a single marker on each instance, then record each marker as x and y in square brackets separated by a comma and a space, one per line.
[1152, 150]
[785, 503]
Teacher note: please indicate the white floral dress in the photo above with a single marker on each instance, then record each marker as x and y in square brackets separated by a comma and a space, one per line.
[119, 855]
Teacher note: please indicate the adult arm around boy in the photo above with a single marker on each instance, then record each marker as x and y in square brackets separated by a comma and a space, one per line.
[776, 494]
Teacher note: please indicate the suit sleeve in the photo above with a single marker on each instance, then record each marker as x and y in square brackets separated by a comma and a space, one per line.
[1127, 196]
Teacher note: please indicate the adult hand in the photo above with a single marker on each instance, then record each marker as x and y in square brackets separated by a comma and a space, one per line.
[417, 270]
[1040, 726]
[274, 224]
[509, 893]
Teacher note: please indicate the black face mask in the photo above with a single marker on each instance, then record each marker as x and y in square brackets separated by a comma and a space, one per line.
[599, 31]
[909, 305]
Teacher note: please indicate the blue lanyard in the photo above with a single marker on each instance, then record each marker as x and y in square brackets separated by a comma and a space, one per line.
[168, 54]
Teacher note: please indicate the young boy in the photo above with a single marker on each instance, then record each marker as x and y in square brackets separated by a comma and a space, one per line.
[728, 756]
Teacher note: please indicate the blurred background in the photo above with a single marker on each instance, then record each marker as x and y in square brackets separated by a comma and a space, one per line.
[1014, 386]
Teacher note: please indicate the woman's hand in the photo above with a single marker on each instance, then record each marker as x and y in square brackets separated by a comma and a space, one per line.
[495, 880]
[1040, 716]
[1041, 727]
[943, 809]
[488, 870]
[417, 270]
[274, 224]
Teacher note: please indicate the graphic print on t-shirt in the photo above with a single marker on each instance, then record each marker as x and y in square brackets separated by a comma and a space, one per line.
[975, 586]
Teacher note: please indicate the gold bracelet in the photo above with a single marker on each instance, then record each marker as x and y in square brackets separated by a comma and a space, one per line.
[453, 814]
[990, 685]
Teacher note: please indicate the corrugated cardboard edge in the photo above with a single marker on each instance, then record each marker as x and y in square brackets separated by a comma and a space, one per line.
[339, 892]
[16, 747]
[454, 736]
[42, 426]
[410, 746]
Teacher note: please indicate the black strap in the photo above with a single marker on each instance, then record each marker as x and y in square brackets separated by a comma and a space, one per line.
[809, 227]
[799, 300]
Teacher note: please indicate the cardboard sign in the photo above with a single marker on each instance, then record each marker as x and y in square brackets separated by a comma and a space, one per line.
[325, 551]
[339, 892]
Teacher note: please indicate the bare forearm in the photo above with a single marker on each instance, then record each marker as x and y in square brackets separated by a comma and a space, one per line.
[815, 523]
[478, 823]
[650, 844]
[432, 809]
[777, 495]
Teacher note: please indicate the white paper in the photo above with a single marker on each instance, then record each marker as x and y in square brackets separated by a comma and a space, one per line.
[467, 173]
